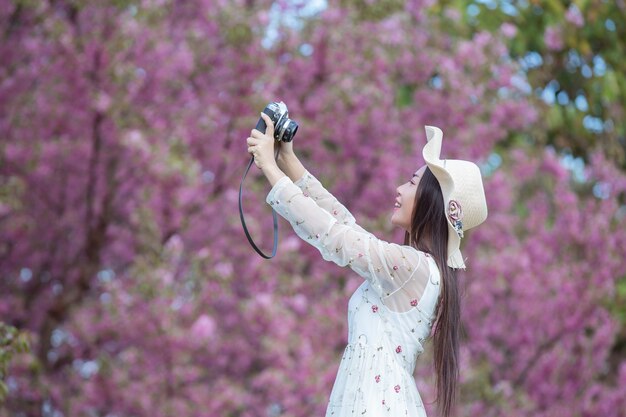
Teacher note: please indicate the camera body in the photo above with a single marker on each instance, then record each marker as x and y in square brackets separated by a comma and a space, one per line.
[284, 128]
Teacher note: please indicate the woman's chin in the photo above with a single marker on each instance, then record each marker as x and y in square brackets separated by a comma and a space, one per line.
[395, 222]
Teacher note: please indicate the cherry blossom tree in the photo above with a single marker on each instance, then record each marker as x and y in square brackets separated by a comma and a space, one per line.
[123, 256]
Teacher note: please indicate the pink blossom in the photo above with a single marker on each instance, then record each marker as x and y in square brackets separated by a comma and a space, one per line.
[103, 101]
[574, 16]
[203, 328]
[509, 30]
[553, 38]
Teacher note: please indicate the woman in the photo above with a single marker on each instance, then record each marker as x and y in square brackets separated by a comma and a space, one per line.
[406, 288]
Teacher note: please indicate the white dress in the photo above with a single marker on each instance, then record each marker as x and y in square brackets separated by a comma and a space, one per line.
[390, 314]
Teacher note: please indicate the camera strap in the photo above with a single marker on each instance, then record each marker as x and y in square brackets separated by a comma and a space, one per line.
[243, 222]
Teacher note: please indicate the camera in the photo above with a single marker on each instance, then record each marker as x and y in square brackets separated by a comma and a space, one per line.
[284, 128]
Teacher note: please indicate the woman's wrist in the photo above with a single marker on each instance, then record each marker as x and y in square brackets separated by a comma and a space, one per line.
[291, 166]
[273, 173]
[285, 158]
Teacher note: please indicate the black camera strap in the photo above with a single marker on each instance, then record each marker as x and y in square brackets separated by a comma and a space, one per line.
[243, 222]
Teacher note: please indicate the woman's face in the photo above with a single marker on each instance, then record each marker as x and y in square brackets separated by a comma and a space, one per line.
[401, 216]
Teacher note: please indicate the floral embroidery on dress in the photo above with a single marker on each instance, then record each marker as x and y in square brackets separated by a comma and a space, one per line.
[397, 388]
[414, 302]
[374, 308]
[399, 349]
[377, 378]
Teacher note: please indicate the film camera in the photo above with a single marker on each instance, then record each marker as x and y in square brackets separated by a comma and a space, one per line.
[284, 128]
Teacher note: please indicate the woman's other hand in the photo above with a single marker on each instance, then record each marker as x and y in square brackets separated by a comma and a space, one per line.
[261, 145]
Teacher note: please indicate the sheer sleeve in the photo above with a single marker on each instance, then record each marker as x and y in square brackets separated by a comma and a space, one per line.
[312, 187]
[397, 273]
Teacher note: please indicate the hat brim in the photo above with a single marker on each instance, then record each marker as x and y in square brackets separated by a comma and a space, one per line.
[431, 154]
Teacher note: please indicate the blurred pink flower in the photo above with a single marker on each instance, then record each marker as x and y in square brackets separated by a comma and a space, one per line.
[299, 303]
[103, 101]
[203, 328]
[508, 29]
[553, 38]
[574, 16]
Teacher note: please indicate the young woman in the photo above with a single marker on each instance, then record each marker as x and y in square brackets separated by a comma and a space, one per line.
[406, 289]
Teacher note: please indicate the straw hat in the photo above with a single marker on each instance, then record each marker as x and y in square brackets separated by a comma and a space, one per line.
[463, 193]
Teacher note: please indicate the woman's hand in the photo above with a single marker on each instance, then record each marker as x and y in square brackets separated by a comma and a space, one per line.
[261, 145]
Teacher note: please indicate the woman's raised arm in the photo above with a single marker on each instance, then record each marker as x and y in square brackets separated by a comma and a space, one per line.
[312, 187]
[399, 274]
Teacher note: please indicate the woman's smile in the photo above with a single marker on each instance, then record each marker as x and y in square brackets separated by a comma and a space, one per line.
[401, 216]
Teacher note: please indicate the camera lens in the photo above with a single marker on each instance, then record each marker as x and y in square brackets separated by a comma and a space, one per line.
[291, 128]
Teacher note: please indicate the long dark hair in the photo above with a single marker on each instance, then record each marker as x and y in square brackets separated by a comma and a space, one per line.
[429, 233]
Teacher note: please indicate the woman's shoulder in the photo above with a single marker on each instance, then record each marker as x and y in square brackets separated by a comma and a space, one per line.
[413, 250]
[425, 260]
